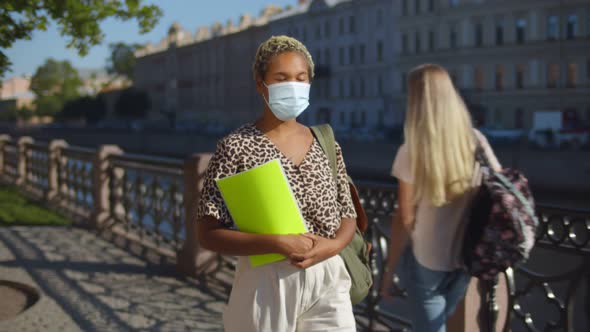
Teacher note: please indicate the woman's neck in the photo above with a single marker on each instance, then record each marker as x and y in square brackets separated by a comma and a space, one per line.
[269, 123]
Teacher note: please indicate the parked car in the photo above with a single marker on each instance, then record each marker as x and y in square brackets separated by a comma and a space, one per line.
[112, 124]
[557, 129]
[503, 136]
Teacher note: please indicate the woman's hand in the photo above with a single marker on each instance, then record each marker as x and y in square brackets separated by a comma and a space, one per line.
[323, 249]
[292, 244]
[402, 224]
[386, 283]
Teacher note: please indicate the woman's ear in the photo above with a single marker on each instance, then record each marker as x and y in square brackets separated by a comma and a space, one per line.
[260, 86]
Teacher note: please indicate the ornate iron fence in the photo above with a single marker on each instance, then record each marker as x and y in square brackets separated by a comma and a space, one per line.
[144, 197]
[10, 162]
[144, 194]
[380, 202]
[74, 181]
[558, 272]
[542, 296]
[37, 168]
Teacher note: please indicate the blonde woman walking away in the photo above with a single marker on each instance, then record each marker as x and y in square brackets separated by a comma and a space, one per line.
[437, 175]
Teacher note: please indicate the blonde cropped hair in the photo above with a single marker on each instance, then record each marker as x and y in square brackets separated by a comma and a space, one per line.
[439, 135]
[276, 45]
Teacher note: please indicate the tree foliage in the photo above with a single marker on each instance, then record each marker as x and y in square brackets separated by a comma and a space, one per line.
[122, 60]
[8, 115]
[79, 21]
[96, 110]
[90, 108]
[132, 103]
[25, 113]
[54, 83]
[12, 114]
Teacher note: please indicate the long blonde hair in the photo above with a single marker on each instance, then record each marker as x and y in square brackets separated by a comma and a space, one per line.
[439, 135]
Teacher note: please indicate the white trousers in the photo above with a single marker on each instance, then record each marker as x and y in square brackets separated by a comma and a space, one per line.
[279, 297]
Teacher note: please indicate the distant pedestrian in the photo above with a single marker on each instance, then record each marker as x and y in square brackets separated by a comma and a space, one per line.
[310, 290]
[437, 176]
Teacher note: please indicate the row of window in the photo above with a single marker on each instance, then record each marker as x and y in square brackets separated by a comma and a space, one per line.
[354, 119]
[571, 27]
[497, 117]
[354, 87]
[429, 6]
[552, 33]
[346, 25]
[420, 6]
[553, 77]
[348, 56]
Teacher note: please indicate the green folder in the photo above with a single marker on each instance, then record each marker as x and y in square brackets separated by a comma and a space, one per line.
[261, 201]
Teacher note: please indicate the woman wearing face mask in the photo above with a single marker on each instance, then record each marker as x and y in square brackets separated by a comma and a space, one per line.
[310, 290]
[437, 173]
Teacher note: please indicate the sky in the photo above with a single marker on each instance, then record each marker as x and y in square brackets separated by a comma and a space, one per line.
[27, 55]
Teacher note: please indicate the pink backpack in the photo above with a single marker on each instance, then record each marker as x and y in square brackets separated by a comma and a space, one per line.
[502, 223]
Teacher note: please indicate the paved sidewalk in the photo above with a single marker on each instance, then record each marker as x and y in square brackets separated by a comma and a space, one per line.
[88, 284]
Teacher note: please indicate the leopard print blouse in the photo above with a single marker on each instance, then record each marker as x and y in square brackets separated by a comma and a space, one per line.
[323, 202]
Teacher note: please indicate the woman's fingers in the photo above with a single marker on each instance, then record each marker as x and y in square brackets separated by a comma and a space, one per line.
[386, 284]
[304, 256]
[305, 263]
[311, 236]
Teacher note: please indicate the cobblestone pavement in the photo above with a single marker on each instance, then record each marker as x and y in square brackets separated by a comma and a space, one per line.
[88, 284]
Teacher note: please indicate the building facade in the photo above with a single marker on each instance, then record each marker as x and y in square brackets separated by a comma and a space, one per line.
[205, 77]
[348, 41]
[208, 76]
[508, 58]
[15, 93]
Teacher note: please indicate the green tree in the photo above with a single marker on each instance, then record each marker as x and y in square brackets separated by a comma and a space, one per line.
[25, 113]
[8, 115]
[96, 110]
[54, 83]
[74, 109]
[79, 21]
[121, 62]
[132, 104]
[14, 113]
[90, 108]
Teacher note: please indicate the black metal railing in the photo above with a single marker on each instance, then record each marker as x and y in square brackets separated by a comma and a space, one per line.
[380, 201]
[145, 199]
[557, 272]
[550, 282]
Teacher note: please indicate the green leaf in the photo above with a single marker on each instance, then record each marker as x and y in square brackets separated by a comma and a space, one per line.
[78, 21]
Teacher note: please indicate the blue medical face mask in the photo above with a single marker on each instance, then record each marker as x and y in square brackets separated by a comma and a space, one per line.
[287, 100]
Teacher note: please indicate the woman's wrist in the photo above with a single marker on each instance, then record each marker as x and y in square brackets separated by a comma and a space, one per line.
[336, 245]
[275, 243]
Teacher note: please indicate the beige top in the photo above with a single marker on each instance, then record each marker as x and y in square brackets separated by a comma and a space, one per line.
[437, 236]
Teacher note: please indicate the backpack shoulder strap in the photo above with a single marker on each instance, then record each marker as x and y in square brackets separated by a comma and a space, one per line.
[325, 136]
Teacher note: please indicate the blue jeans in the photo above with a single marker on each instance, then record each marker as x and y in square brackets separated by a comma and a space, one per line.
[433, 294]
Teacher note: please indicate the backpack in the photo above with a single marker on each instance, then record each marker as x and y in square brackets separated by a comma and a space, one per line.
[356, 254]
[501, 223]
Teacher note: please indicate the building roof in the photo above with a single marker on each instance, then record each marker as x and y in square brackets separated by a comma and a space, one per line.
[305, 6]
[270, 13]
